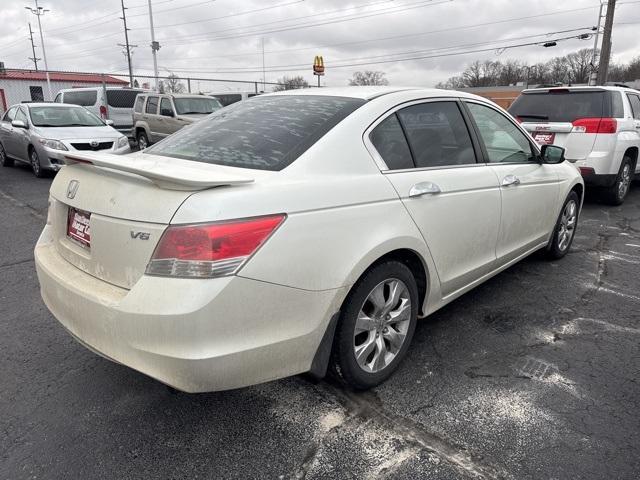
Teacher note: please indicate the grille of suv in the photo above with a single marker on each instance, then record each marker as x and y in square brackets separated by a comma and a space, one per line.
[87, 146]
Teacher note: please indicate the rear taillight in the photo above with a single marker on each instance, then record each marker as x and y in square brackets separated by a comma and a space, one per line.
[210, 250]
[103, 112]
[595, 125]
[586, 171]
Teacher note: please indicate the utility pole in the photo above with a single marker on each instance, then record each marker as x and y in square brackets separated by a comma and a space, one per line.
[605, 54]
[38, 12]
[33, 49]
[155, 46]
[594, 56]
[126, 41]
[264, 79]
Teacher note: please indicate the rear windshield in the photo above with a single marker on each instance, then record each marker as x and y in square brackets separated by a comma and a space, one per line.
[264, 133]
[562, 106]
[196, 105]
[84, 98]
[124, 98]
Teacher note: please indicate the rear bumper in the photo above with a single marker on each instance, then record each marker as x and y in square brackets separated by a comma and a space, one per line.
[596, 180]
[195, 335]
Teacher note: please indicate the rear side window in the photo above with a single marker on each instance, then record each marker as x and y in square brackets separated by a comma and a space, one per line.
[84, 98]
[634, 100]
[560, 106]
[138, 105]
[264, 133]
[391, 143]
[437, 134]
[121, 98]
[617, 109]
[152, 105]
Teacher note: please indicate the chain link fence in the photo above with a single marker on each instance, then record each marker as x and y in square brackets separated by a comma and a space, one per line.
[107, 93]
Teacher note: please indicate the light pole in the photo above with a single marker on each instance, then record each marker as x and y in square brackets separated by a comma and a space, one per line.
[38, 12]
[155, 46]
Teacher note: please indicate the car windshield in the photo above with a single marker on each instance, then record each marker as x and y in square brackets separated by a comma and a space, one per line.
[265, 133]
[193, 105]
[63, 117]
[558, 106]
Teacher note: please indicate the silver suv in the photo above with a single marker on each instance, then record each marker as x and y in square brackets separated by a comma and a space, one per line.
[156, 115]
[598, 126]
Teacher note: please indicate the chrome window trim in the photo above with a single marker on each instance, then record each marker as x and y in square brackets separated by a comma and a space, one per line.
[377, 158]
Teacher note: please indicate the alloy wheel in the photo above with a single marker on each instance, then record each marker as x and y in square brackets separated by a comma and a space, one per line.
[567, 224]
[625, 181]
[142, 142]
[35, 163]
[382, 325]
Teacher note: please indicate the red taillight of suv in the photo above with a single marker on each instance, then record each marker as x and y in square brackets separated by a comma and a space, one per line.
[595, 125]
[103, 112]
[210, 250]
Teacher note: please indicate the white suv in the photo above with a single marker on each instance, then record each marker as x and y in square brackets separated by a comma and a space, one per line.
[598, 126]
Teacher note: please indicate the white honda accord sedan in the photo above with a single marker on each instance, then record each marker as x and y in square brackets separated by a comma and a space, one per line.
[297, 232]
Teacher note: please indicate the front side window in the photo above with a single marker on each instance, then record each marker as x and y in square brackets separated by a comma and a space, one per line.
[165, 107]
[437, 134]
[58, 98]
[84, 98]
[634, 100]
[10, 115]
[63, 117]
[391, 144]
[504, 142]
[152, 105]
[264, 133]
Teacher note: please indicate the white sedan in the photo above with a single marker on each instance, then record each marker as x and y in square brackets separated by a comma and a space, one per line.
[297, 232]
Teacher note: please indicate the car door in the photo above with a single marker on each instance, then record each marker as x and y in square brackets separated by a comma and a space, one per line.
[429, 156]
[634, 102]
[151, 117]
[167, 118]
[20, 137]
[6, 132]
[529, 188]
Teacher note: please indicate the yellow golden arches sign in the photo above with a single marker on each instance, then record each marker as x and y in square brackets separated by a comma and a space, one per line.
[318, 65]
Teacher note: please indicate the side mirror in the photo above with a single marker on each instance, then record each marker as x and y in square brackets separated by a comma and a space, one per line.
[109, 123]
[166, 112]
[552, 154]
[18, 124]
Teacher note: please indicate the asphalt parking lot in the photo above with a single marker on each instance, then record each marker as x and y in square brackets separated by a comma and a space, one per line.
[532, 375]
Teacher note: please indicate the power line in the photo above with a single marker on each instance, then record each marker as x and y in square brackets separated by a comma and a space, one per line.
[415, 57]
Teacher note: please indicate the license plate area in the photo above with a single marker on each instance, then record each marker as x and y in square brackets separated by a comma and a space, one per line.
[78, 228]
[544, 138]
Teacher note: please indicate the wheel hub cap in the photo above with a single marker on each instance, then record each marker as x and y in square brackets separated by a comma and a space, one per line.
[382, 325]
[567, 225]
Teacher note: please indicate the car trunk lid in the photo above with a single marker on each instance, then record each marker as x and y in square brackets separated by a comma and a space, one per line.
[123, 207]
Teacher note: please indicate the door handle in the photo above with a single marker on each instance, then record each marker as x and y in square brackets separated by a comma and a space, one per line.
[424, 188]
[510, 180]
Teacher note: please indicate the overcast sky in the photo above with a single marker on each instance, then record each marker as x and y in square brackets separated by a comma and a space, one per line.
[223, 38]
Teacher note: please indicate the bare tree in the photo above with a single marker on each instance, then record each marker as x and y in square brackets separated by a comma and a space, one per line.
[291, 83]
[173, 84]
[368, 77]
[579, 64]
[511, 72]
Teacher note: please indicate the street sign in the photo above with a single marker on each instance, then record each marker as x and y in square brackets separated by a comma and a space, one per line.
[318, 65]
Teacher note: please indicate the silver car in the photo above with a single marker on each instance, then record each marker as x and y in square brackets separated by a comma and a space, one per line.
[41, 134]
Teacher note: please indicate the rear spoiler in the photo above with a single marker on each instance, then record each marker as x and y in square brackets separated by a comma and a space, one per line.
[165, 172]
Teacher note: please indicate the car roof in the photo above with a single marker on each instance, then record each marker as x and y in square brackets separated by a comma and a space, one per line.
[84, 89]
[371, 92]
[47, 104]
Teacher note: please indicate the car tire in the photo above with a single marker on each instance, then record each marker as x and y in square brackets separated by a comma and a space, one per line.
[142, 139]
[376, 325]
[565, 228]
[4, 160]
[34, 160]
[616, 194]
